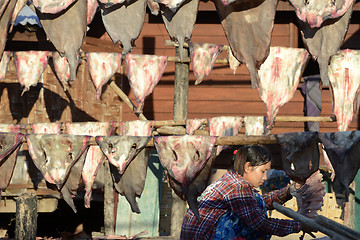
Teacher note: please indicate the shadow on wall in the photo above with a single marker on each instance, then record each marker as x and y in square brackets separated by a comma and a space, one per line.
[21, 105]
[149, 48]
[55, 105]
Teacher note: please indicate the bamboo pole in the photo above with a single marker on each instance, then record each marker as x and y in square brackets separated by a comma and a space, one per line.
[171, 43]
[164, 130]
[239, 140]
[220, 140]
[169, 123]
[177, 131]
[304, 119]
[226, 140]
[126, 100]
[187, 60]
[277, 119]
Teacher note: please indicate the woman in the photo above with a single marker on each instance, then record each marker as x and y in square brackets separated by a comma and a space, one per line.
[231, 207]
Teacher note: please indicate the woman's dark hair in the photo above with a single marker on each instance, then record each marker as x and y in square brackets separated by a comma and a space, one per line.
[255, 154]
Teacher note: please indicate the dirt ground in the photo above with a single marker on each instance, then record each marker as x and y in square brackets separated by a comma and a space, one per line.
[297, 236]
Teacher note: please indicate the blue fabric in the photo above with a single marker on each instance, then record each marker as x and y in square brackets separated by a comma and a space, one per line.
[230, 226]
[276, 179]
[312, 94]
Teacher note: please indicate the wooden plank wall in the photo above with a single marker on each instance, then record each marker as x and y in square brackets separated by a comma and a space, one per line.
[220, 94]
[48, 102]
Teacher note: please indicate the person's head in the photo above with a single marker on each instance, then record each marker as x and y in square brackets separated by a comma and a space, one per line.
[252, 162]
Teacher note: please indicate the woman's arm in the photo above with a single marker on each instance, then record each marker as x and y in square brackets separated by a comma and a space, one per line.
[247, 208]
[280, 196]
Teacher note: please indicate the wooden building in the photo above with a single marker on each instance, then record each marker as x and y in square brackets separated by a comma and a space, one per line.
[222, 93]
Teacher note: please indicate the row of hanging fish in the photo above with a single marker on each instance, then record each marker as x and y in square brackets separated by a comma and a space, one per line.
[279, 75]
[247, 25]
[144, 71]
[66, 160]
[300, 155]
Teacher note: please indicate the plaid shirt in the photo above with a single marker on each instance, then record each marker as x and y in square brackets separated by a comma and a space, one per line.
[233, 192]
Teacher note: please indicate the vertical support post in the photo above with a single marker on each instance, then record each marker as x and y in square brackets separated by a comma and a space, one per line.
[357, 203]
[26, 217]
[350, 209]
[109, 216]
[181, 86]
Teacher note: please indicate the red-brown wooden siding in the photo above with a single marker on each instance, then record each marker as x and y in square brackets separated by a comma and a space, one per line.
[220, 94]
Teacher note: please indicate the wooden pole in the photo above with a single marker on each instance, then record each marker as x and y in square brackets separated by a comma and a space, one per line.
[171, 43]
[26, 217]
[126, 100]
[327, 226]
[357, 203]
[277, 119]
[304, 119]
[162, 123]
[349, 209]
[310, 223]
[178, 131]
[109, 205]
[187, 60]
[181, 86]
[346, 231]
[222, 140]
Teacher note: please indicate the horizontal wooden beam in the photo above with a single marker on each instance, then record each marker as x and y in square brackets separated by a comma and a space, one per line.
[171, 123]
[187, 59]
[41, 190]
[223, 140]
[305, 119]
[239, 140]
[277, 119]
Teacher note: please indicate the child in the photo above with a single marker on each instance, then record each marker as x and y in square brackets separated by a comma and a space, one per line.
[231, 207]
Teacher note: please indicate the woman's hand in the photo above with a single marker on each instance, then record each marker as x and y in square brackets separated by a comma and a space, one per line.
[306, 229]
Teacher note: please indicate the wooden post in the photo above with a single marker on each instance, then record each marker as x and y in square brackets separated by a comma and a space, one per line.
[126, 100]
[109, 216]
[349, 209]
[26, 217]
[181, 86]
[357, 203]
